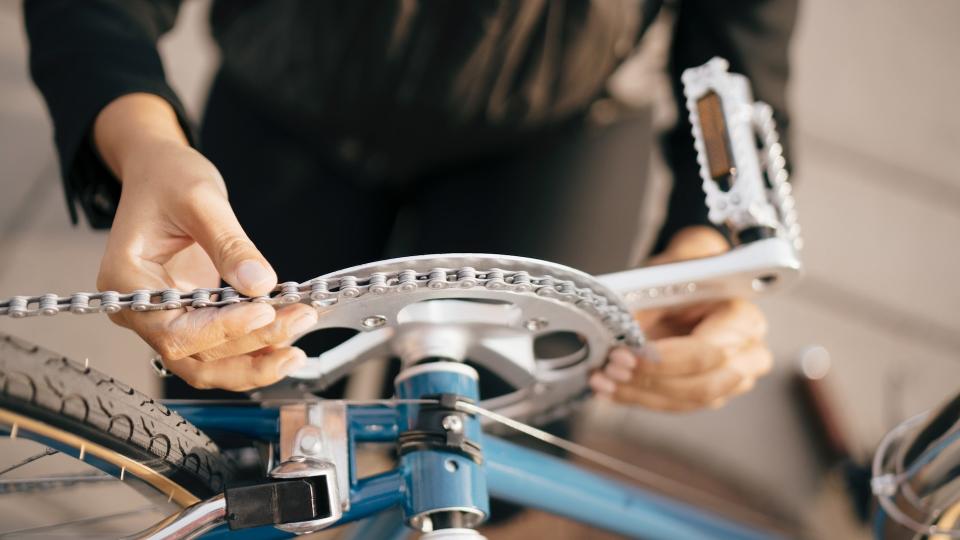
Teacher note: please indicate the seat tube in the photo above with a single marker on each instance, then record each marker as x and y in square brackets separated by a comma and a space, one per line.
[440, 454]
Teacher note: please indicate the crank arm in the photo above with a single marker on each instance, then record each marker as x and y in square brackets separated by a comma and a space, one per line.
[758, 267]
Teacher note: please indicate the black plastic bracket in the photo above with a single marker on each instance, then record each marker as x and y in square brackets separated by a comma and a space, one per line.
[278, 501]
[429, 432]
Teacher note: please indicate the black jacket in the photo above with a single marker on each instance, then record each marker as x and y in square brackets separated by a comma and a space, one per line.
[415, 81]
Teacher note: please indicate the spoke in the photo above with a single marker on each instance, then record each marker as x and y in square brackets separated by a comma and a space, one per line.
[46, 452]
[73, 522]
[38, 483]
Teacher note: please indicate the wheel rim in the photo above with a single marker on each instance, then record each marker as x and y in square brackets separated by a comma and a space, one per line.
[103, 471]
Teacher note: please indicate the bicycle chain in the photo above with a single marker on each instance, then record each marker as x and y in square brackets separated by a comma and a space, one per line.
[328, 293]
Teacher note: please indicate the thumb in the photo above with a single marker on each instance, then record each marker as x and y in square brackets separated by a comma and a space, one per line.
[214, 226]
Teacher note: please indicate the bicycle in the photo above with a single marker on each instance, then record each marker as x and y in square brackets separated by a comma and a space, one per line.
[434, 312]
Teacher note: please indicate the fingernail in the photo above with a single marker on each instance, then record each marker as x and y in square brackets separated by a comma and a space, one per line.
[602, 385]
[253, 276]
[304, 322]
[623, 358]
[617, 373]
[261, 319]
[293, 363]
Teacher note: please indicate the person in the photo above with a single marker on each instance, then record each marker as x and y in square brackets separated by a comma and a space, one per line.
[330, 122]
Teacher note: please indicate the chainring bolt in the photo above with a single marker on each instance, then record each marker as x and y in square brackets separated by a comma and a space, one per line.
[374, 321]
[535, 324]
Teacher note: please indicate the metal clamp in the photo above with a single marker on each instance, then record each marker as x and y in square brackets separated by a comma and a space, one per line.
[440, 426]
[318, 431]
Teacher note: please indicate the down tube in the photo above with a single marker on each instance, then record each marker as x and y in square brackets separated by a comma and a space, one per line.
[532, 479]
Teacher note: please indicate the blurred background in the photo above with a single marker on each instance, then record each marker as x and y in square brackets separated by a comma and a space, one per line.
[876, 155]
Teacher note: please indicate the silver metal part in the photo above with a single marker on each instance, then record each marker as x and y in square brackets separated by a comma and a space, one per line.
[430, 312]
[318, 431]
[760, 194]
[500, 311]
[191, 522]
[305, 467]
[465, 517]
[747, 270]
[444, 306]
[452, 423]
[156, 362]
[436, 305]
[453, 534]
[915, 475]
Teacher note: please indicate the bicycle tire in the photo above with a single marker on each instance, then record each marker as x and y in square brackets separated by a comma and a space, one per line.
[67, 395]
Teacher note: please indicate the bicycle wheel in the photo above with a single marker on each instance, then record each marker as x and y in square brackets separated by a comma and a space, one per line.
[112, 445]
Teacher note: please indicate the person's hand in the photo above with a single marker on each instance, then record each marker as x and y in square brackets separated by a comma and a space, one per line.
[174, 228]
[699, 355]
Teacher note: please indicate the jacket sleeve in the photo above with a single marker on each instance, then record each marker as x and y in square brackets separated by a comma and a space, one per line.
[83, 55]
[753, 35]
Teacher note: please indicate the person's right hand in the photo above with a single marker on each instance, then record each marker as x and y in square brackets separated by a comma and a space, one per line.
[174, 228]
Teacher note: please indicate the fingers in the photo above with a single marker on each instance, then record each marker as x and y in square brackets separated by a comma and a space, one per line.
[723, 325]
[753, 361]
[737, 375]
[701, 389]
[654, 401]
[175, 228]
[647, 400]
[676, 356]
[241, 372]
[208, 219]
[188, 333]
[676, 383]
[290, 322]
[732, 323]
[179, 334]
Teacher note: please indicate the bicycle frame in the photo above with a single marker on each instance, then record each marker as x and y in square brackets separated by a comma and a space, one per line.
[423, 480]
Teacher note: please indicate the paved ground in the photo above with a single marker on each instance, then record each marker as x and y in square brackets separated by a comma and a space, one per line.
[879, 195]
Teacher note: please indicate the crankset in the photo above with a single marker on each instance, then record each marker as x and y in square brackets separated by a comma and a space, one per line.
[538, 326]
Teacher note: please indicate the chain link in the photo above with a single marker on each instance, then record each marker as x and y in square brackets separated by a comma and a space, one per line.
[328, 293]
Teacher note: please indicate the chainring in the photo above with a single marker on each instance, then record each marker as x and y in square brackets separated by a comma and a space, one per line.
[538, 326]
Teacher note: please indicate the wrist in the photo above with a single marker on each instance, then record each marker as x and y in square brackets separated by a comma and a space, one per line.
[135, 125]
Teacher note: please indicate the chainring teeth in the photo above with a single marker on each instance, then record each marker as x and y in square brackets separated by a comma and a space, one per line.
[571, 300]
[574, 300]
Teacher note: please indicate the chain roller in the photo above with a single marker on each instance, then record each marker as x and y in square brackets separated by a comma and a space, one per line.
[327, 293]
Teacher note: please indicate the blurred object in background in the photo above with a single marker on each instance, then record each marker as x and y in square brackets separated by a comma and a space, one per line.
[818, 405]
[822, 414]
[916, 476]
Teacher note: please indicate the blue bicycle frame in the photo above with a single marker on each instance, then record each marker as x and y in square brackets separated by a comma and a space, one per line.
[428, 480]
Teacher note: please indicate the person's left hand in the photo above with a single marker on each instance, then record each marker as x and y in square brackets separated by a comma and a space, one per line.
[697, 356]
